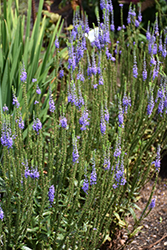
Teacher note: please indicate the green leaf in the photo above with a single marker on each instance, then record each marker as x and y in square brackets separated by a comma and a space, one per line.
[26, 248]
[121, 223]
[60, 236]
[55, 17]
[32, 230]
[135, 231]
[132, 213]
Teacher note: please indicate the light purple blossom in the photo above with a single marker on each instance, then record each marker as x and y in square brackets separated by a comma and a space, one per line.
[152, 204]
[157, 162]
[20, 122]
[61, 73]
[75, 154]
[5, 108]
[57, 43]
[23, 76]
[137, 23]
[15, 101]
[101, 81]
[37, 125]
[84, 120]
[63, 122]
[117, 151]
[119, 173]
[106, 115]
[93, 176]
[148, 34]
[126, 102]
[51, 194]
[6, 135]
[144, 73]
[51, 103]
[38, 91]
[85, 186]
[1, 214]
[33, 173]
[102, 123]
[135, 70]
[120, 116]
[140, 15]
[150, 104]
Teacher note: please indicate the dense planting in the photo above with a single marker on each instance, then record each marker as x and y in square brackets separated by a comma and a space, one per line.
[79, 141]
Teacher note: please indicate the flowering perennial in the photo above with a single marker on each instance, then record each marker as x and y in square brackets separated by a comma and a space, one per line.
[51, 194]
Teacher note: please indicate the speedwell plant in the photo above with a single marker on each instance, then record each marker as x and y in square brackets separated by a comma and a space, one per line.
[72, 187]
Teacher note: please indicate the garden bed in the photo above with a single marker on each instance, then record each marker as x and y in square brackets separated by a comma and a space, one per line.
[153, 235]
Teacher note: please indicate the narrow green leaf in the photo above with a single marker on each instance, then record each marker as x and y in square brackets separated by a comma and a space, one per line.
[135, 231]
[26, 248]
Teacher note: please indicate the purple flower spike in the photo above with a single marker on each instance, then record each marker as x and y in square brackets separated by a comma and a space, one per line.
[61, 73]
[103, 125]
[51, 103]
[75, 154]
[6, 136]
[106, 115]
[152, 204]
[20, 122]
[63, 122]
[51, 194]
[135, 70]
[33, 173]
[5, 108]
[144, 71]
[93, 176]
[157, 161]
[37, 125]
[126, 102]
[117, 152]
[150, 104]
[15, 101]
[84, 120]
[1, 214]
[120, 117]
[85, 185]
[57, 43]
[140, 15]
[23, 76]
[38, 91]
[101, 81]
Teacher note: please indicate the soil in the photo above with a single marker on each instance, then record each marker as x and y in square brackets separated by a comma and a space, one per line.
[153, 235]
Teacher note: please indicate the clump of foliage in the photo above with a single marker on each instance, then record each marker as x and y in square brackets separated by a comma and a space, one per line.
[75, 178]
